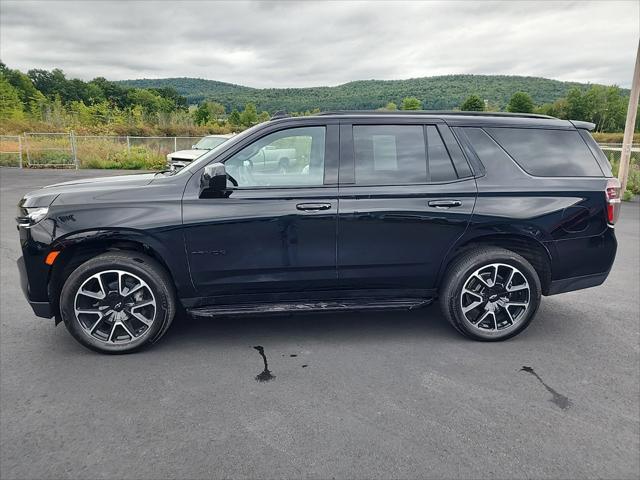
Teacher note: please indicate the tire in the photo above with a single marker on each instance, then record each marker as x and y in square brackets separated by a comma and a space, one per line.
[104, 301]
[478, 299]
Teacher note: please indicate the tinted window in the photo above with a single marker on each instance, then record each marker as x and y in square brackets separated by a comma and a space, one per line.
[602, 159]
[462, 167]
[389, 154]
[548, 153]
[440, 166]
[293, 157]
[488, 151]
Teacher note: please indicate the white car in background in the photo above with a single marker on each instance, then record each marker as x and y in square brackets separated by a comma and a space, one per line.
[181, 158]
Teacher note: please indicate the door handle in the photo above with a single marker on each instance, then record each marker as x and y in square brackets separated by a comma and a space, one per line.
[445, 203]
[313, 207]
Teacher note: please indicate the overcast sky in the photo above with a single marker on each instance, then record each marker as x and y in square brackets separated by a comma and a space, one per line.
[287, 44]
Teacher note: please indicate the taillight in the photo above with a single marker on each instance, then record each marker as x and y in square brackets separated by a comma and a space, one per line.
[613, 200]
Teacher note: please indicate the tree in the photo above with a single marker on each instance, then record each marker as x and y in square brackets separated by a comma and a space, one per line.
[202, 115]
[207, 112]
[216, 110]
[576, 105]
[263, 117]
[249, 115]
[556, 109]
[411, 103]
[114, 93]
[520, 102]
[29, 95]
[234, 118]
[391, 106]
[473, 103]
[10, 104]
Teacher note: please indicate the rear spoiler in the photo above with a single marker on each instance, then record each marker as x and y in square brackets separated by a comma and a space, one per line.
[583, 125]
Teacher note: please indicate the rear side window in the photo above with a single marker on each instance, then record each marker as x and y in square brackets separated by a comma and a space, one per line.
[389, 154]
[548, 153]
[602, 159]
[440, 166]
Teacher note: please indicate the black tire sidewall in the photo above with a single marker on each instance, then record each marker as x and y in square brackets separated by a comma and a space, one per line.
[460, 274]
[143, 267]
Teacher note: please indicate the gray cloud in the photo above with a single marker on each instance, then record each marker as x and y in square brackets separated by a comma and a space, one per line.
[288, 44]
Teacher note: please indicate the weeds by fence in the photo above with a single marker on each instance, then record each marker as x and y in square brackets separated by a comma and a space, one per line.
[67, 150]
[613, 152]
[11, 150]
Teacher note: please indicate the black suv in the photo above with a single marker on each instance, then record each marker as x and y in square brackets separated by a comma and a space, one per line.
[372, 211]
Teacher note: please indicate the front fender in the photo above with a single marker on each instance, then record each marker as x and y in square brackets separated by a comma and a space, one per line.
[167, 246]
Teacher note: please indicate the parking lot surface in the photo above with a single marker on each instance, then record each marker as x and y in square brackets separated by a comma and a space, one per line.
[373, 395]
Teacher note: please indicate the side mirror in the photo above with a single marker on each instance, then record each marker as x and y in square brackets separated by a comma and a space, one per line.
[193, 147]
[213, 182]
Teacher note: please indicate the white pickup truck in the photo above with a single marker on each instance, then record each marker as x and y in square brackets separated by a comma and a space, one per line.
[271, 158]
[179, 159]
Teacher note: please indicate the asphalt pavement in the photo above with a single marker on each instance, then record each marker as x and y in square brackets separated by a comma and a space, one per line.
[375, 395]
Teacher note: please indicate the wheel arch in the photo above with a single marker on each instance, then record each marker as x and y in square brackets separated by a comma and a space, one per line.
[77, 250]
[529, 248]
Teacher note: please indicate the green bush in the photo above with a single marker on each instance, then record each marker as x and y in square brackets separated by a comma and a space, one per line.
[9, 159]
[52, 157]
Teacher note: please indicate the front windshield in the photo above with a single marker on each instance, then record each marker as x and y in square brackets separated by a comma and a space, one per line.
[208, 143]
[205, 157]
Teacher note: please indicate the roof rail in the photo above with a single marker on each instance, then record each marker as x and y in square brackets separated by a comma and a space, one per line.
[280, 114]
[434, 112]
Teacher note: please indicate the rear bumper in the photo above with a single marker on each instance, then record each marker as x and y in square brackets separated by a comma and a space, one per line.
[582, 262]
[40, 309]
[576, 283]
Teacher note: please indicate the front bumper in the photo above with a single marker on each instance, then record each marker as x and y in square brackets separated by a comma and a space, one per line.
[40, 309]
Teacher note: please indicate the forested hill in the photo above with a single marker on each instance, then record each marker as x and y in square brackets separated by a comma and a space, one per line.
[443, 92]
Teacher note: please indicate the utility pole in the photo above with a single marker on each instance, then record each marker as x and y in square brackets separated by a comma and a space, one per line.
[627, 141]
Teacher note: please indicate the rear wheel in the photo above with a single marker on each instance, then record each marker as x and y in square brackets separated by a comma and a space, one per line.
[490, 294]
[118, 302]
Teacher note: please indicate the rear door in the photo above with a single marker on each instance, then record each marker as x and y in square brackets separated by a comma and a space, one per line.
[406, 194]
[276, 230]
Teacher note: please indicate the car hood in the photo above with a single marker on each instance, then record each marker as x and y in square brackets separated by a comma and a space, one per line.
[186, 154]
[46, 195]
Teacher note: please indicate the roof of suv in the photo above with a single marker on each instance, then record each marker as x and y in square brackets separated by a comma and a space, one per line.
[459, 118]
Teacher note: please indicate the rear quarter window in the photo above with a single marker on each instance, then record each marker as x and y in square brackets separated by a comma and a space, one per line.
[548, 153]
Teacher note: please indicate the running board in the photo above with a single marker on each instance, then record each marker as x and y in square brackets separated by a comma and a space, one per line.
[325, 306]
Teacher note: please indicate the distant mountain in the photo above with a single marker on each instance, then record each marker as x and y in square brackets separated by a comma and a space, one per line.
[443, 92]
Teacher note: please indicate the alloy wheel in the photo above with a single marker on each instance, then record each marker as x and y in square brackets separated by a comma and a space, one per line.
[495, 298]
[115, 307]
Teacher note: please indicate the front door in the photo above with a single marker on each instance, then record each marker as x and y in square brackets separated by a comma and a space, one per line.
[406, 195]
[276, 230]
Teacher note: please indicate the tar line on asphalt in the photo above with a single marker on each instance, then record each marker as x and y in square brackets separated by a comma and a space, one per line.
[265, 375]
[557, 398]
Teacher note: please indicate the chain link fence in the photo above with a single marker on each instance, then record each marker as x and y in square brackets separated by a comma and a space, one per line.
[50, 150]
[613, 151]
[68, 150]
[11, 151]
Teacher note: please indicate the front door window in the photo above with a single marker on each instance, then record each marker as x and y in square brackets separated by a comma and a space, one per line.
[288, 158]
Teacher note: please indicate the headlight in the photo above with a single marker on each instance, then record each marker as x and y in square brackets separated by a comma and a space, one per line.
[31, 216]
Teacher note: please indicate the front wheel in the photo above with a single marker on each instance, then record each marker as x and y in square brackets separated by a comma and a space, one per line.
[118, 302]
[490, 294]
